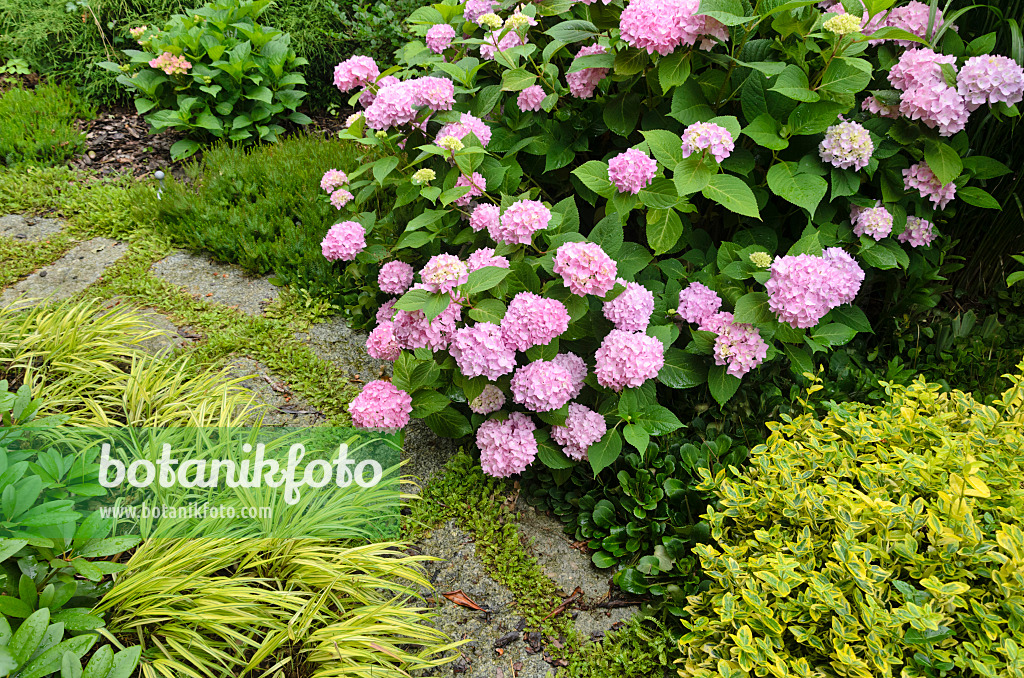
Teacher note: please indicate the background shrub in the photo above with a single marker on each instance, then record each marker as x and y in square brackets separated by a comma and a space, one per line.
[38, 125]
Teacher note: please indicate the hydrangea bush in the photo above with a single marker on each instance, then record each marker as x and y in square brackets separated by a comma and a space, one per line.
[608, 201]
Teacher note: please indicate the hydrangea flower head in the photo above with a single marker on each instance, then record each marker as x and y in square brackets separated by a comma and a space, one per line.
[170, 64]
[450, 143]
[698, 302]
[991, 78]
[663, 25]
[582, 83]
[631, 171]
[369, 93]
[443, 273]
[519, 21]
[841, 24]
[395, 104]
[628, 359]
[506, 447]
[353, 119]
[740, 347]
[485, 217]
[846, 277]
[533, 320]
[936, 105]
[480, 351]
[137, 32]
[333, 179]
[530, 99]
[439, 37]
[715, 322]
[702, 136]
[875, 222]
[467, 124]
[490, 20]
[585, 268]
[491, 399]
[381, 343]
[577, 370]
[476, 9]
[484, 257]
[437, 94]
[386, 313]
[760, 259]
[583, 427]
[913, 18]
[477, 184]
[413, 330]
[847, 145]
[395, 277]
[340, 198]
[919, 232]
[798, 292]
[493, 44]
[344, 241]
[542, 386]
[520, 221]
[423, 176]
[921, 178]
[917, 67]
[631, 310]
[381, 406]
[873, 105]
[356, 71]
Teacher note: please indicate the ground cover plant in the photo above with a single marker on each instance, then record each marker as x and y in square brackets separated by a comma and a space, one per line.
[39, 125]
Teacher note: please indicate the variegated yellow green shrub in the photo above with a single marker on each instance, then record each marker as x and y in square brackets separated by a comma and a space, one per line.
[870, 542]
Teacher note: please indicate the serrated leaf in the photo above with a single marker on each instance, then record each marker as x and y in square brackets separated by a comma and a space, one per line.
[753, 308]
[733, 194]
[943, 161]
[682, 369]
[483, 279]
[723, 386]
[803, 190]
[764, 130]
[605, 451]
[793, 83]
[664, 227]
[833, 334]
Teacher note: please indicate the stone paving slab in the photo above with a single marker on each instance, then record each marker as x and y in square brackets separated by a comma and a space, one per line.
[212, 281]
[336, 342]
[80, 267]
[20, 227]
[284, 407]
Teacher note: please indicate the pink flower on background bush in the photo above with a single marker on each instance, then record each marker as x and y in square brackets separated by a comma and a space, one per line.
[354, 72]
[628, 359]
[576, 368]
[631, 171]
[491, 399]
[663, 25]
[344, 241]
[912, 17]
[386, 313]
[847, 145]
[439, 37]
[137, 32]
[702, 136]
[443, 273]
[583, 427]
[412, 330]
[485, 257]
[919, 232]
[875, 222]
[936, 105]
[395, 277]
[381, 343]
[631, 310]
[920, 177]
[437, 94]
[533, 320]
[476, 9]
[530, 99]
[333, 179]
[381, 406]
[480, 351]
[585, 268]
[583, 82]
[369, 93]
[802, 288]
[395, 104]
[466, 124]
[917, 67]
[740, 347]
[716, 322]
[477, 185]
[873, 105]
[846, 276]
[492, 44]
[170, 64]
[506, 447]
[542, 386]
[520, 221]
[697, 302]
[340, 198]
[485, 217]
[991, 78]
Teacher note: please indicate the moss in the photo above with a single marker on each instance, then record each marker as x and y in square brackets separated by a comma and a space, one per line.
[643, 648]
[20, 258]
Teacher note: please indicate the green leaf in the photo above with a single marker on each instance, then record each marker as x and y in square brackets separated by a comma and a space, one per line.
[833, 334]
[851, 316]
[800, 360]
[594, 175]
[793, 83]
[49, 661]
[844, 182]
[728, 12]
[733, 194]
[28, 636]
[603, 60]
[449, 423]
[517, 79]
[574, 30]
[100, 664]
[630, 61]
[803, 190]
[660, 195]
[985, 168]
[78, 619]
[605, 451]
[260, 94]
[483, 279]
[13, 607]
[846, 76]
[688, 104]
[682, 369]
[383, 167]
[942, 160]
[666, 146]
[431, 303]
[603, 560]
[488, 310]
[693, 174]
[764, 130]
[753, 308]
[657, 420]
[674, 69]
[723, 386]
[663, 230]
[622, 113]
[7, 662]
[636, 436]
[8, 547]
[125, 662]
[814, 118]
[972, 195]
[183, 148]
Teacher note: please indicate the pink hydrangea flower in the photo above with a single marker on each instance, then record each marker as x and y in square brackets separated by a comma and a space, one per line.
[702, 136]
[921, 178]
[491, 399]
[369, 93]
[480, 351]
[542, 386]
[344, 241]
[919, 232]
[532, 320]
[412, 330]
[631, 171]
[386, 313]
[715, 322]
[991, 78]
[576, 368]
[381, 343]
[585, 268]
[466, 124]
[583, 427]
[484, 217]
[628, 359]
[936, 105]
[583, 83]
[437, 94]
[340, 198]
[803, 288]
[395, 104]
[170, 64]
[875, 222]
[873, 105]
[520, 221]
[355, 72]
[333, 179]
[439, 37]
[847, 145]
[846, 276]
[631, 310]
[919, 67]
[663, 25]
[506, 447]
[443, 273]
[395, 277]
[492, 44]
[484, 257]
[740, 347]
[477, 185]
[913, 18]
[476, 9]
[698, 302]
[531, 98]
[381, 406]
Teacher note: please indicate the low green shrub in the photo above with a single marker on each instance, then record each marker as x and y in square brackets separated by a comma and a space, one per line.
[38, 125]
[869, 542]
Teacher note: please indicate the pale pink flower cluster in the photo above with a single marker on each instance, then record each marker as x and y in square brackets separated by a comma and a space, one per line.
[576, 368]
[369, 94]
[530, 99]
[698, 302]
[741, 347]
[381, 343]
[484, 257]
[491, 399]
[873, 105]
[912, 17]
[631, 170]
[439, 37]
[716, 322]
[386, 313]
[381, 406]
[921, 178]
[485, 217]
[506, 447]
[628, 359]
[357, 71]
[510, 40]
[480, 351]
[875, 222]
[631, 310]
[803, 288]
[344, 241]
[533, 320]
[477, 184]
[340, 198]
[919, 66]
[476, 9]
[397, 103]
[443, 273]
[582, 83]
[663, 25]
[412, 330]
[585, 268]
[170, 64]
[583, 427]
[991, 78]
[395, 277]
[926, 94]
[333, 179]
[466, 124]
[137, 32]
[919, 232]
[702, 136]
[520, 221]
[437, 94]
[542, 386]
[847, 145]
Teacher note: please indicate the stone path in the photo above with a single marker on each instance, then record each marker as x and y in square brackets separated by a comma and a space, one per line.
[80, 267]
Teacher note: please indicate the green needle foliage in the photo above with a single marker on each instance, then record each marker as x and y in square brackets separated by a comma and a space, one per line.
[37, 127]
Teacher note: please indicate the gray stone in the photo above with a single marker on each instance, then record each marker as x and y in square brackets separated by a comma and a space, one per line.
[426, 452]
[72, 273]
[19, 227]
[336, 342]
[284, 408]
[215, 282]
[164, 331]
